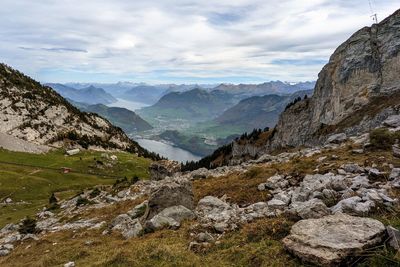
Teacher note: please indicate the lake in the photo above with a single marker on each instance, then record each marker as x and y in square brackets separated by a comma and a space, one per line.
[167, 150]
[131, 105]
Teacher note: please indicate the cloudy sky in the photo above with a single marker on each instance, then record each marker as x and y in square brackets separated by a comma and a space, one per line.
[181, 41]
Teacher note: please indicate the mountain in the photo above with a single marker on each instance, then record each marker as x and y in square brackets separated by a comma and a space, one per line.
[242, 91]
[127, 120]
[194, 105]
[39, 115]
[90, 95]
[258, 111]
[356, 91]
[144, 94]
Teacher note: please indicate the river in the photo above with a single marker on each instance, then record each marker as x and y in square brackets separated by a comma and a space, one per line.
[167, 150]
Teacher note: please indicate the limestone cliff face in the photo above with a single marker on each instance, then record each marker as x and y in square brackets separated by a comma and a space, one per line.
[364, 68]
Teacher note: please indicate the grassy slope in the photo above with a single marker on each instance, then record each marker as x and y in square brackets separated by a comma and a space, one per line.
[34, 185]
[255, 244]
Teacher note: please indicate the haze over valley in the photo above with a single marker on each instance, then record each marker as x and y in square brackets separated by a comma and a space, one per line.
[199, 133]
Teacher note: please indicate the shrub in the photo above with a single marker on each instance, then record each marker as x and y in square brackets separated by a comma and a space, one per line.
[383, 139]
[95, 192]
[28, 226]
[81, 201]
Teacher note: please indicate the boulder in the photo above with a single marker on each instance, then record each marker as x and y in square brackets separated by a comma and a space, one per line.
[139, 210]
[127, 226]
[392, 121]
[276, 181]
[170, 218]
[163, 168]
[171, 192]
[336, 138]
[394, 237]
[353, 205]
[352, 168]
[313, 208]
[395, 173]
[396, 151]
[331, 240]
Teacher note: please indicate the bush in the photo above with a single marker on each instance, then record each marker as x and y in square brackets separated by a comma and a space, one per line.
[383, 139]
[28, 226]
[81, 201]
[95, 192]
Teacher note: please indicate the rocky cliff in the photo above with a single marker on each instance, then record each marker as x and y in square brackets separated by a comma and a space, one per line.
[360, 82]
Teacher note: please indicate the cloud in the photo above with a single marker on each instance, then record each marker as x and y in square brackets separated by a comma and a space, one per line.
[178, 40]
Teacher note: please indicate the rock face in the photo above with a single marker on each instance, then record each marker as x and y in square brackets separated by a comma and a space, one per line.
[163, 168]
[172, 192]
[332, 239]
[363, 68]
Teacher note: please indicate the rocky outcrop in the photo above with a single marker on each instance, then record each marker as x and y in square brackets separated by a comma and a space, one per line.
[37, 114]
[361, 71]
[171, 192]
[163, 168]
[333, 239]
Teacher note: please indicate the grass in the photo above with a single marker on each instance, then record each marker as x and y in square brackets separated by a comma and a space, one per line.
[163, 248]
[254, 244]
[32, 187]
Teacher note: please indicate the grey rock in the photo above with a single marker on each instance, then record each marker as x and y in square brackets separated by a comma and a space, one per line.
[336, 138]
[139, 210]
[163, 168]
[4, 252]
[171, 192]
[392, 121]
[210, 202]
[220, 227]
[276, 181]
[160, 222]
[358, 151]
[127, 226]
[360, 181]
[394, 237]
[313, 208]
[395, 183]
[395, 173]
[352, 168]
[178, 213]
[205, 237]
[70, 264]
[375, 173]
[396, 151]
[330, 240]
[354, 206]
[276, 204]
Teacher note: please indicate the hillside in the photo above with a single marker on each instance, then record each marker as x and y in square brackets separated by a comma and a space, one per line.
[90, 95]
[258, 111]
[39, 115]
[144, 94]
[194, 105]
[127, 120]
[242, 91]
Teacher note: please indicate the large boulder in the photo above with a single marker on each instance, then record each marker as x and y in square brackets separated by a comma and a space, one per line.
[163, 168]
[170, 192]
[170, 218]
[331, 240]
[313, 208]
[127, 226]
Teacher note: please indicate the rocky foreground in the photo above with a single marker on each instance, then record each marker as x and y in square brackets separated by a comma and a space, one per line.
[331, 204]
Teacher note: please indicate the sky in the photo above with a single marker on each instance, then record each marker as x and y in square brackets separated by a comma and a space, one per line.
[178, 41]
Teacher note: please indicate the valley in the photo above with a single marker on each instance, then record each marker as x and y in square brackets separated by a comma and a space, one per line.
[136, 151]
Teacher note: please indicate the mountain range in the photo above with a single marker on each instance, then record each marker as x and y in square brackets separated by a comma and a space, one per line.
[90, 95]
[124, 118]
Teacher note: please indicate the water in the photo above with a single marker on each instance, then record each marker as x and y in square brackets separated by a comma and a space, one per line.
[167, 150]
[131, 105]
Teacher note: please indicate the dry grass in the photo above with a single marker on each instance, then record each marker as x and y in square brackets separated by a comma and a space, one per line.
[255, 244]
[164, 248]
[240, 188]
